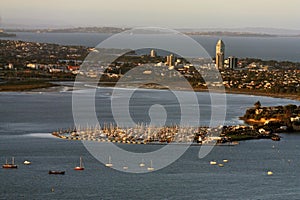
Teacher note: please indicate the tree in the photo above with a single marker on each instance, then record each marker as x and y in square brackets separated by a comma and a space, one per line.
[257, 104]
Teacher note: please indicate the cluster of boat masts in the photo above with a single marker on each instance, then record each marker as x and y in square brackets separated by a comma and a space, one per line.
[143, 134]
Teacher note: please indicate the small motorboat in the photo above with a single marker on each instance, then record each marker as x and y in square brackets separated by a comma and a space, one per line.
[142, 164]
[270, 173]
[213, 162]
[26, 162]
[56, 172]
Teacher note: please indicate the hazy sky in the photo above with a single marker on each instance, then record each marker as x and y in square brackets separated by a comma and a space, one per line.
[160, 13]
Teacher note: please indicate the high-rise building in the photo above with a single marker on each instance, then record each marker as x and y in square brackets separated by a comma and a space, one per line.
[152, 53]
[220, 54]
[232, 62]
[170, 60]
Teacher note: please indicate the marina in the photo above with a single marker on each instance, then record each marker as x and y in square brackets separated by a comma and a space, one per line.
[187, 135]
[143, 134]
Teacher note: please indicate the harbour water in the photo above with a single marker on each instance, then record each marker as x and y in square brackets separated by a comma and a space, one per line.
[267, 48]
[26, 119]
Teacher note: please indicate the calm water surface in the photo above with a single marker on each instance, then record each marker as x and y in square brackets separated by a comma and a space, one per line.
[267, 48]
[26, 119]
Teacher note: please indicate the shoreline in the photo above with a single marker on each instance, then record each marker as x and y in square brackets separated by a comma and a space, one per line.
[44, 85]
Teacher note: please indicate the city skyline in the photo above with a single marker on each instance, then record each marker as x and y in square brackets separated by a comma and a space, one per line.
[134, 13]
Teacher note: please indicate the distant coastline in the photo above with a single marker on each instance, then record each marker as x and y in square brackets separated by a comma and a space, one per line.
[3, 34]
[113, 30]
[231, 34]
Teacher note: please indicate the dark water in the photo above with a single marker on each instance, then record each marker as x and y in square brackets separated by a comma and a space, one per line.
[27, 118]
[267, 48]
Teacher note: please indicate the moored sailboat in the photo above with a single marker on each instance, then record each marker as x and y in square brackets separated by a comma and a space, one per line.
[151, 167]
[109, 164]
[11, 165]
[80, 167]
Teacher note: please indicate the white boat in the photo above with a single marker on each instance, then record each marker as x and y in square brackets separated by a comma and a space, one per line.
[80, 167]
[213, 162]
[151, 167]
[142, 164]
[109, 164]
[26, 162]
[270, 173]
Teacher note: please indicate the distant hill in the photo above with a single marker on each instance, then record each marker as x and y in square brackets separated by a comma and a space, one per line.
[237, 32]
[251, 30]
[73, 30]
[232, 34]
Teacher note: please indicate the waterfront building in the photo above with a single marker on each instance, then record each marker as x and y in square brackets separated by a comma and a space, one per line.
[232, 62]
[220, 54]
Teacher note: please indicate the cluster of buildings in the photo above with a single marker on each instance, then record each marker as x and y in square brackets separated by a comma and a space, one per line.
[276, 81]
[221, 62]
[53, 59]
[35, 56]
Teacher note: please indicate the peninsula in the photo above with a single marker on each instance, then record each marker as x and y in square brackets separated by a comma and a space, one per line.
[274, 118]
[29, 65]
[263, 123]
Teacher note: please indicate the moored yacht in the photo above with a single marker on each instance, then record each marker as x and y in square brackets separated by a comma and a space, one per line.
[10, 165]
[80, 167]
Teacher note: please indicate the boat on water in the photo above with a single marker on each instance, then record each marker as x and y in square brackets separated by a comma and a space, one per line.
[11, 165]
[213, 162]
[109, 164]
[275, 138]
[142, 164]
[80, 167]
[56, 172]
[26, 162]
[151, 167]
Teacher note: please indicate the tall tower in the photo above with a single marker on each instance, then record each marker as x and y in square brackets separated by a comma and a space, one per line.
[152, 53]
[220, 54]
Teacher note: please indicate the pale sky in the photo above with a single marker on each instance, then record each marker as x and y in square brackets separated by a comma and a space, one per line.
[158, 13]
